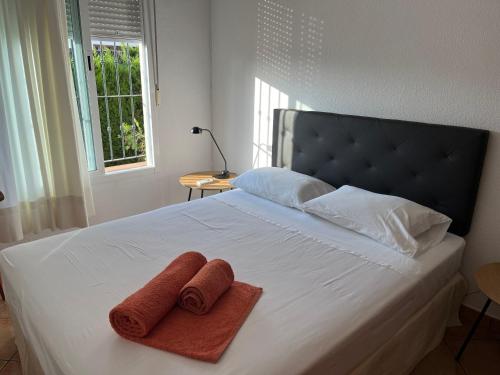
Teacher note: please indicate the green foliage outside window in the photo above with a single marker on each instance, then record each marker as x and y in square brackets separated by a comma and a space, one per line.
[122, 76]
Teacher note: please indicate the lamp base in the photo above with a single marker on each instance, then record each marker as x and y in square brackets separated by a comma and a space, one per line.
[222, 176]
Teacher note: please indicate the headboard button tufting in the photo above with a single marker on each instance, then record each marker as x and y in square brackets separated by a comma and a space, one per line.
[413, 160]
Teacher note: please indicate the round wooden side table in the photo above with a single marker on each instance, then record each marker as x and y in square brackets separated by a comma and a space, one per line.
[189, 180]
[488, 280]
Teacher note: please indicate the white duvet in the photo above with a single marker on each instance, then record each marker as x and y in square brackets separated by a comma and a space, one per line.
[331, 296]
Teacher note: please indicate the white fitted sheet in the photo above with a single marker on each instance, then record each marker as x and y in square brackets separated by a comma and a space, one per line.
[331, 296]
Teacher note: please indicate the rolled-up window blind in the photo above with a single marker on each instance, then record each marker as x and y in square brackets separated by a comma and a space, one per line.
[116, 19]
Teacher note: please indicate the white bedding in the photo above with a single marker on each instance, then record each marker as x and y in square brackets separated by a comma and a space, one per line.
[331, 296]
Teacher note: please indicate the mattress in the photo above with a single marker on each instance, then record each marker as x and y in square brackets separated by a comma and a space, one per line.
[331, 296]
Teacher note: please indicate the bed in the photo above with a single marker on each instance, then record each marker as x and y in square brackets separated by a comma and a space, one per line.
[334, 301]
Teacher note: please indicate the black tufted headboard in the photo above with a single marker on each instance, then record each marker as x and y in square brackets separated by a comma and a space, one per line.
[435, 165]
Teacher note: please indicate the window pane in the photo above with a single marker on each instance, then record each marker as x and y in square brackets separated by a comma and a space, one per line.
[139, 128]
[96, 49]
[128, 127]
[104, 128]
[78, 66]
[119, 91]
[114, 112]
[123, 70]
[135, 61]
[106, 61]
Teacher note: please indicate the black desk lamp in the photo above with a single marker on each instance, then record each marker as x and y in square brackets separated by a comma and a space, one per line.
[225, 173]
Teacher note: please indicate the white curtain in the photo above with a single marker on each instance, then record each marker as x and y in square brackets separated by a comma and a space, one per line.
[43, 171]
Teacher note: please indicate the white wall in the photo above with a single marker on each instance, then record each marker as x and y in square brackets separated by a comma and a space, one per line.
[184, 62]
[430, 61]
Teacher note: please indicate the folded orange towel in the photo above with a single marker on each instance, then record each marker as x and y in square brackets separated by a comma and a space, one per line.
[204, 337]
[141, 311]
[205, 288]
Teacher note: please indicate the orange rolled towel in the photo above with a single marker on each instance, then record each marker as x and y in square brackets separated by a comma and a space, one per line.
[205, 288]
[137, 315]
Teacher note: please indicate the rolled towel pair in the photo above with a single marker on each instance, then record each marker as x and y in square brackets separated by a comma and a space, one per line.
[189, 280]
[153, 315]
[141, 311]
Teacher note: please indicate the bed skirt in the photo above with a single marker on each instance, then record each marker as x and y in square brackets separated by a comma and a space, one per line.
[421, 334]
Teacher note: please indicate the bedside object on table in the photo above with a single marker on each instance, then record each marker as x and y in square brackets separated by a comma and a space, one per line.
[488, 281]
[225, 173]
[205, 181]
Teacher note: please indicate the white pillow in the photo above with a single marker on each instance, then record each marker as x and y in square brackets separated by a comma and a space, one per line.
[282, 186]
[403, 225]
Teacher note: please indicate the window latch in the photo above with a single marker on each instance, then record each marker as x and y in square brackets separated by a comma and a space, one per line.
[89, 63]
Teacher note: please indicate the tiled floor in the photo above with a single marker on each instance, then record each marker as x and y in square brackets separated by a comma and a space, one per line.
[482, 356]
[9, 358]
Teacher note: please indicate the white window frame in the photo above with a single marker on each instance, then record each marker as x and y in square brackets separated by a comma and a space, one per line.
[148, 99]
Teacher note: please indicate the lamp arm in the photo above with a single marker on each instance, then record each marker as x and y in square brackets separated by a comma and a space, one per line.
[218, 148]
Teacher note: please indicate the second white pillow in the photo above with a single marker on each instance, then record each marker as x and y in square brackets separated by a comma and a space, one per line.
[403, 225]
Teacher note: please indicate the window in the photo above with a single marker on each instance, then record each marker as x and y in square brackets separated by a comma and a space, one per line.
[77, 60]
[118, 85]
[117, 71]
